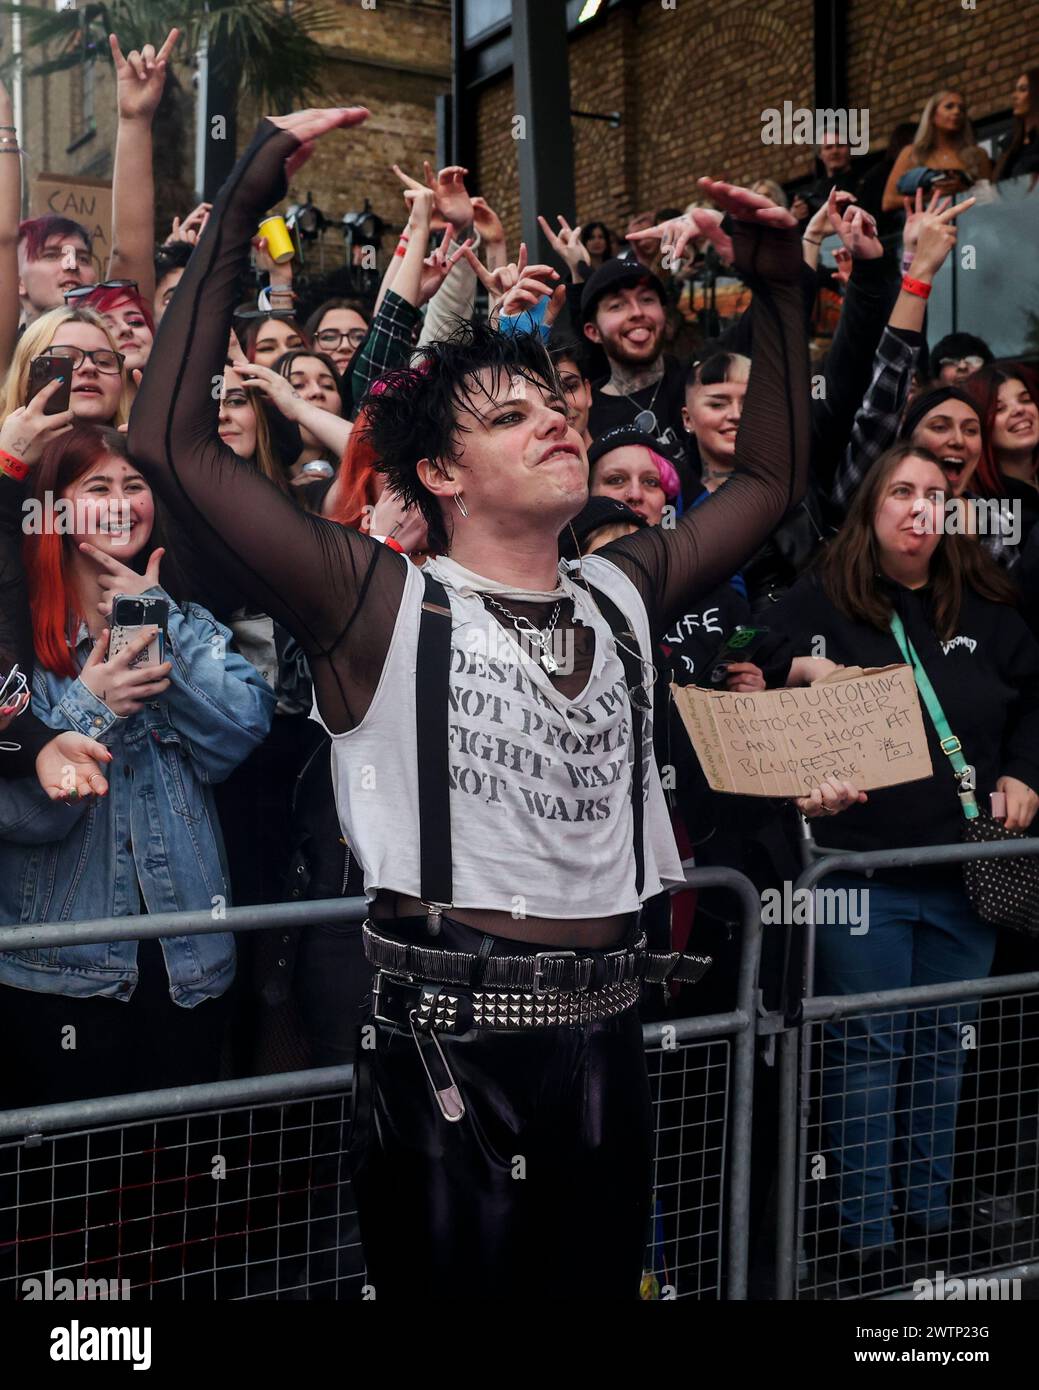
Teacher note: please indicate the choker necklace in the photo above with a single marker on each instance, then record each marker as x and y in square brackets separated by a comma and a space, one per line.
[537, 637]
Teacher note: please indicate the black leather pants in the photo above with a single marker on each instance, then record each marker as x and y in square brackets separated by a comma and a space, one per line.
[541, 1190]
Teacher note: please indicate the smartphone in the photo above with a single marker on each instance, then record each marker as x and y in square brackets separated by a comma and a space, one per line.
[42, 371]
[129, 616]
[13, 691]
[740, 645]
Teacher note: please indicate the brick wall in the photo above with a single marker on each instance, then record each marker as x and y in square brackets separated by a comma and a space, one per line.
[395, 59]
[691, 84]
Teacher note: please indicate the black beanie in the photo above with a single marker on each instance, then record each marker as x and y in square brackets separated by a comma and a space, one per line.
[597, 512]
[930, 400]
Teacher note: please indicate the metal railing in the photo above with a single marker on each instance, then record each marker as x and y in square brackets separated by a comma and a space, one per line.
[992, 1217]
[239, 1189]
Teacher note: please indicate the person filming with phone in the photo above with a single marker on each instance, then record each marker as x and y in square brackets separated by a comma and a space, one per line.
[119, 659]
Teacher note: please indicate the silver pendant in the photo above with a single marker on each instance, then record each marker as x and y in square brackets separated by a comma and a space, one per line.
[549, 662]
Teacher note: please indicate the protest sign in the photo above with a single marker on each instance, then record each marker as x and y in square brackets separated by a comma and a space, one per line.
[860, 726]
[87, 201]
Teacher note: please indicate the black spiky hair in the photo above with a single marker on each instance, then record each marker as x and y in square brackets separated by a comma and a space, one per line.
[420, 411]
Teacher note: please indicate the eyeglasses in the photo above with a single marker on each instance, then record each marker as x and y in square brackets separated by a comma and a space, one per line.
[85, 291]
[974, 364]
[106, 360]
[331, 338]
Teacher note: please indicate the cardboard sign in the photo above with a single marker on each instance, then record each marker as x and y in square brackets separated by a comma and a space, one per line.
[860, 726]
[88, 201]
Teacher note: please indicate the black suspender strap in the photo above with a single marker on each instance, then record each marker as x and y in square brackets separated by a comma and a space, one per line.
[432, 670]
[628, 650]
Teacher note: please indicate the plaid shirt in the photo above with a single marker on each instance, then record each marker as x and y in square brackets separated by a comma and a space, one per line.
[388, 345]
[876, 428]
[876, 424]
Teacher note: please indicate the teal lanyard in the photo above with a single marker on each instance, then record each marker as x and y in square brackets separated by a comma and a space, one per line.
[950, 744]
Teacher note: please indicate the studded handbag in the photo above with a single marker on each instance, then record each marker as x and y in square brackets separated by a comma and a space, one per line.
[1004, 892]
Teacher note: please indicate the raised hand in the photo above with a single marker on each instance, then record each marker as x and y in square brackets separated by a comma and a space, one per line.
[27, 431]
[117, 578]
[842, 256]
[487, 223]
[437, 266]
[500, 283]
[450, 198]
[397, 522]
[193, 225]
[915, 211]
[856, 229]
[676, 233]
[309, 126]
[566, 243]
[935, 234]
[140, 77]
[819, 225]
[744, 205]
[277, 388]
[116, 683]
[69, 766]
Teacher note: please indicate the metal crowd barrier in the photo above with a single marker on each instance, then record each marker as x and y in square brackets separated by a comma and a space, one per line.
[989, 1135]
[239, 1189]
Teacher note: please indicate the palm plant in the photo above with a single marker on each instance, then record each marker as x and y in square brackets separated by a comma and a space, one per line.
[268, 50]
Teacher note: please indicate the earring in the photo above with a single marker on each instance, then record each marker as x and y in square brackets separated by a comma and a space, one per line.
[460, 504]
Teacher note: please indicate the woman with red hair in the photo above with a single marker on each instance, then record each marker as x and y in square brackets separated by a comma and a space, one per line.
[127, 316]
[1008, 403]
[145, 1013]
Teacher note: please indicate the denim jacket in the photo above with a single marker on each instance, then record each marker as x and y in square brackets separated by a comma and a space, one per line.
[154, 835]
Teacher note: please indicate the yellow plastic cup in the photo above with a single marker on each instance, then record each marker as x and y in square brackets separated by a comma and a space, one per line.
[280, 246]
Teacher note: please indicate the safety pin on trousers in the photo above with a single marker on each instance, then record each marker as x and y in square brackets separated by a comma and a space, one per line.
[448, 1097]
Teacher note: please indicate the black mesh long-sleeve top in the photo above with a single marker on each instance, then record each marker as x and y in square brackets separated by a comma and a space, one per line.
[338, 591]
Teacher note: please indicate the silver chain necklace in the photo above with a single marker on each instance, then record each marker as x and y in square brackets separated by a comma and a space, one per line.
[538, 637]
[645, 418]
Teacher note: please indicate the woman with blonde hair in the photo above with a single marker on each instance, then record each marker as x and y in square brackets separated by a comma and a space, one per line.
[944, 141]
[101, 393]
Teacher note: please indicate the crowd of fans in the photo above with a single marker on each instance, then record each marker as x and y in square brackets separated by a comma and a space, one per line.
[129, 788]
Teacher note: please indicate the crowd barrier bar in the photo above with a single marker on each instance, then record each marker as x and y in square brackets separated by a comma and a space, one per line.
[31, 1125]
[795, 1038]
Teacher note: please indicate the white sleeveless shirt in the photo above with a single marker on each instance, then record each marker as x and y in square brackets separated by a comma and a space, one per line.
[540, 786]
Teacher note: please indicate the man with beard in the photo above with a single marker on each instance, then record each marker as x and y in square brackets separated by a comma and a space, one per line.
[623, 311]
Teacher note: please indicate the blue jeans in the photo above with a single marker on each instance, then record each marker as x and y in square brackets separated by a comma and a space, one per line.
[891, 1081]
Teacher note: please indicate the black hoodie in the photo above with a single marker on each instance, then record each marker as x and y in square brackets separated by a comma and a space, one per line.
[987, 679]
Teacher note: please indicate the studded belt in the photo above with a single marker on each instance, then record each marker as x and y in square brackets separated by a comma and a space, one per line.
[449, 1010]
[431, 991]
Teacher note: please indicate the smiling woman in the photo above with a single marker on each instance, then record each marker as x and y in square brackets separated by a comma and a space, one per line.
[152, 844]
[100, 393]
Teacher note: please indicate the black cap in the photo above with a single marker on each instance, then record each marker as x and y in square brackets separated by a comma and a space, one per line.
[596, 513]
[614, 274]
